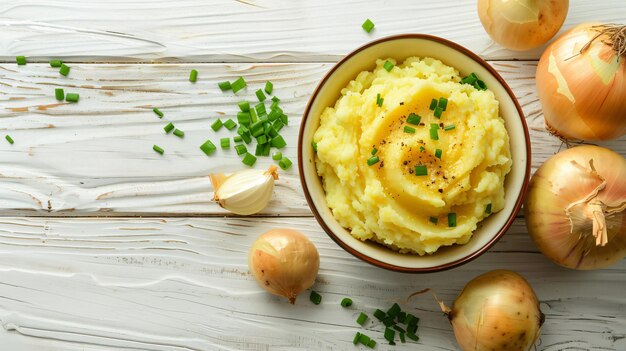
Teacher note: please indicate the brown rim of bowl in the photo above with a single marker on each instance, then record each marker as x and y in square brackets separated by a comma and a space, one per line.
[373, 261]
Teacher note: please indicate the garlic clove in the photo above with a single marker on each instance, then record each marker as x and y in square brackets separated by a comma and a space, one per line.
[245, 192]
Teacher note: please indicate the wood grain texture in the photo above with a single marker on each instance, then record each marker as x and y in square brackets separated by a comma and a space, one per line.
[245, 30]
[95, 157]
[183, 284]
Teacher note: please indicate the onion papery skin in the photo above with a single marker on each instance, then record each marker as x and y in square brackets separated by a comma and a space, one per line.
[497, 310]
[583, 95]
[559, 183]
[522, 24]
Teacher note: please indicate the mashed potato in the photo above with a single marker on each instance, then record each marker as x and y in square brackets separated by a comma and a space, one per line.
[388, 201]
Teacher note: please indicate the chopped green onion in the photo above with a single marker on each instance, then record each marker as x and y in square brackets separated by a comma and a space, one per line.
[480, 85]
[434, 134]
[371, 344]
[275, 114]
[421, 170]
[346, 302]
[402, 338]
[409, 130]
[243, 118]
[260, 95]
[451, 219]
[275, 99]
[193, 76]
[433, 220]
[71, 97]
[9, 139]
[248, 159]
[422, 149]
[401, 316]
[217, 125]
[438, 112]
[158, 149]
[269, 87]
[438, 153]
[399, 329]
[285, 163]
[239, 84]
[394, 310]
[388, 66]
[374, 151]
[372, 160]
[412, 336]
[449, 127]
[253, 115]
[244, 106]
[168, 128]
[278, 142]
[314, 146]
[256, 129]
[433, 104]
[380, 315]
[361, 319]
[411, 323]
[224, 86]
[315, 297]
[471, 79]
[278, 125]
[260, 109]
[379, 100]
[56, 63]
[241, 149]
[21, 60]
[155, 110]
[225, 143]
[59, 94]
[284, 119]
[261, 139]
[230, 124]
[364, 339]
[368, 25]
[443, 103]
[64, 70]
[388, 322]
[247, 138]
[259, 150]
[208, 147]
[179, 133]
[488, 209]
[277, 156]
[357, 336]
[414, 119]
[389, 334]
[238, 139]
[274, 105]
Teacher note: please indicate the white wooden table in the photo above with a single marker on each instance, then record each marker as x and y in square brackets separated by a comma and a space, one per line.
[106, 245]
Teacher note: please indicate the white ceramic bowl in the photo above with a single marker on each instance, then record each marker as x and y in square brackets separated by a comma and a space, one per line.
[401, 47]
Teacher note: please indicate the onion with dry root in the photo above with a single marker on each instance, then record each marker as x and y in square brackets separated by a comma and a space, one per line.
[522, 24]
[284, 262]
[497, 310]
[576, 207]
[581, 82]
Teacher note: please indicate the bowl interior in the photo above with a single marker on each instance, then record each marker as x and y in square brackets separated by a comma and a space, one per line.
[401, 48]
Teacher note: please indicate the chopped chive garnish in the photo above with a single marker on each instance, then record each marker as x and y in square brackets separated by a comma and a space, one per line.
[157, 112]
[277, 156]
[158, 149]
[394, 310]
[361, 318]
[388, 321]
[449, 127]
[374, 151]
[388, 66]
[284, 163]
[438, 112]
[278, 125]
[248, 159]
[443, 103]
[208, 147]
[315, 297]
[346, 302]
[224, 86]
[278, 142]
[217, 125]
[433, 104]
[412, 336]
[372, 160]
[193, 76]
[239, 84]
[269, 87]
[402, 338]
[379, 100]
[433, 220]
[59, 94]
[71, 97]
[364, 339]
[314, 146]
[409, 130]
[179, 133]
[244, 118]
[261, 139]
[471, 79]
[422, 149]
[20, 60]
[64, 70]
[225, 143]
[253, 116]
[238, 139]
[357, 336]
[438, 153]
[368, 25]
[285, 119]
[9, 139]
[275, 114]
[371, 344]
[168, 128]
[390, 334]
[421, 170]
[56, 63]
[259, 150]
[411, 323]
[275, 99]
[414, 119]
[401, 316]
[451, 219]
[260, 95]
[399, 329]
[230, 124]
[488, 209]
[244, 106]
[380, 315]
[434, 134]
[241, 149]
[260, 108]
[480, 85]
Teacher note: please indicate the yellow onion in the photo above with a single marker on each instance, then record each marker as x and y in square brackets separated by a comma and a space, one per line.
[581, 82]
[522, 24]
[284, 262]
[575, 208]
[497, 310]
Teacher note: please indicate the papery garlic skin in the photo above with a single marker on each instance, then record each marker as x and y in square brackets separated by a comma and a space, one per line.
[245, 192]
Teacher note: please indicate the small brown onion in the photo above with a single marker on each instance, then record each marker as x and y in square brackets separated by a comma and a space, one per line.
[522, 24]
[497, 310]
[284, 262]
[576, 207]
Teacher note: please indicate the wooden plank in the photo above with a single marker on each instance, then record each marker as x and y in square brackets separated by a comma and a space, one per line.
[245, 30]
[183, 284]
[95, 157]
